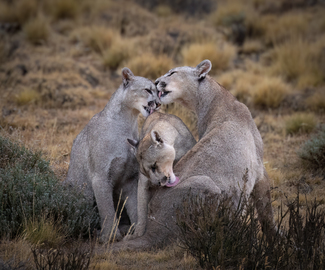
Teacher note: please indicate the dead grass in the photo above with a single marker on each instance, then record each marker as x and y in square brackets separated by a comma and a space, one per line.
[149, 65]
[119, 52]
[270, 92]
[221, 56]
[252, 46]
[37, 30]
[163, 11]
[298, 61]
[300, 123]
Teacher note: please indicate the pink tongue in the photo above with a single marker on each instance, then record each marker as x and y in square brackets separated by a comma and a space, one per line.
[173, 184]
[151, 110]
[159, 94]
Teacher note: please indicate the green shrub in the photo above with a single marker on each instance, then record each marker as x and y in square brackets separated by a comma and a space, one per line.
[29, 191]
[313, 151]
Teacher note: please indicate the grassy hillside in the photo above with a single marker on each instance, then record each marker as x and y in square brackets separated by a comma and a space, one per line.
[60, 61]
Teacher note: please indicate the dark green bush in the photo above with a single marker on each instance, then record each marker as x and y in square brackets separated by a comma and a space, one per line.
[313, 151]
[220, 235]
[30, 191]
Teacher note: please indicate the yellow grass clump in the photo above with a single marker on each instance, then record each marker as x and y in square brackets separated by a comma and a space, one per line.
[163, 11]
[27, 96]
[299, 61]
[252, 46]
[149, 65]
[270, 92]
[300, 123]
[220, 55]
[36, 30]
[229, 12]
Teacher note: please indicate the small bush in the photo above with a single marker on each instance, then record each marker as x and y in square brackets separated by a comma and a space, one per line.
[27, 96]
[219, 235]
[270, 92]
[220, 56]
[300, 123]
[150, 66]
[18, 11]
[313, 151]
[30, 192]
[36, 30]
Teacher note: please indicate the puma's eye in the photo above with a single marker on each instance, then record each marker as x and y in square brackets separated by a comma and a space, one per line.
[149, 91]
[154, 167]
[170, 74]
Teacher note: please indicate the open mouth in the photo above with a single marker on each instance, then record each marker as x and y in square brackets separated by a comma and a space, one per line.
[163, 93]
[148, 109]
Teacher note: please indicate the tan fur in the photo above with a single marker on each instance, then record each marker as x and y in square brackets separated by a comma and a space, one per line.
[229, 147]
[164, 140]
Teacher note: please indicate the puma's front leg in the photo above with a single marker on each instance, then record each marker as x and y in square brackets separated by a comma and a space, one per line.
[143, 200]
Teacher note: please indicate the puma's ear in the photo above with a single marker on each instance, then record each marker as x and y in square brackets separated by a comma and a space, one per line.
[203, 68]
[156, 137]
[127, 76]
[134, 145]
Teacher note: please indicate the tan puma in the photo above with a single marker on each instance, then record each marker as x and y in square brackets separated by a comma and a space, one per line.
[164, 140]
[229, 148]
[101, 163]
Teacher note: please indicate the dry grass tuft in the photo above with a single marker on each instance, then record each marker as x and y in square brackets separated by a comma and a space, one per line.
[270, 92]
[96, 38]
[252, 46]
[300, 123]
[163, 11]
[37, 30]
[27, 96]
[220, 56]
[299, 61]
[316, 102]
[150, 66]
[42, 232]
[18, 12]
[119, 52]
[287, 26]
[64, 9]
[228, 13]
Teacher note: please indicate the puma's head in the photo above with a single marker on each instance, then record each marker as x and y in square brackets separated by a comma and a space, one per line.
[179, 83]
[141, 93]
[156, 158]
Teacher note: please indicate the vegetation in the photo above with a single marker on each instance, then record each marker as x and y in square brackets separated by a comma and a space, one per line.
[300, 122]
[30, 192]
[220, 234]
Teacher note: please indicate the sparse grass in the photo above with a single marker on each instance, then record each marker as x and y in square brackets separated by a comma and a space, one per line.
[37, 30]
[316, 102]
[220, 55]
[228, 13]
[300, 123]
[163, 11]
[270, 92]
[27, 96]
[150, 66]
[298, 61]
[252, 46]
